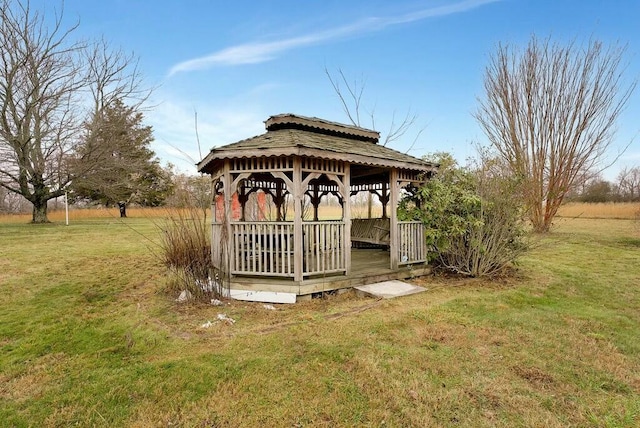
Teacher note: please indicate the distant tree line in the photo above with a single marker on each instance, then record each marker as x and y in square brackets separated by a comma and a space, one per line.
[625, 188]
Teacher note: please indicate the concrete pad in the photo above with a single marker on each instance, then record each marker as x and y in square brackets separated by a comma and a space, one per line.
[390, 289]
[262, 296]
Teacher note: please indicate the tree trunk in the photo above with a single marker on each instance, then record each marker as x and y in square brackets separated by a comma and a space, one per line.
[39, 211]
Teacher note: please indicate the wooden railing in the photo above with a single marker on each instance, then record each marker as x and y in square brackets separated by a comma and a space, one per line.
[217, 245]
[412, 246]
[323, 247]
[262, 248]
[266, 248]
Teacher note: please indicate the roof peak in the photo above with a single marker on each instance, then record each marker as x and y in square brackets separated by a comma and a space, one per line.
[322, 126]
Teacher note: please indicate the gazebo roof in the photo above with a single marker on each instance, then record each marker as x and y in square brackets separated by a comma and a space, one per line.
[289, 134]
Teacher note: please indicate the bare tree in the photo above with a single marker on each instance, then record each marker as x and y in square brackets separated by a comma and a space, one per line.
[550, 112]
[629, 183]
[350, 95]
[45, 77]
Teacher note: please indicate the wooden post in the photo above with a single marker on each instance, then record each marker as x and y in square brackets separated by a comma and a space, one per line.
[315, 201]
[243, 198]
[279, 201]
[298, 251]
[384, 198]
[226, 180]
[393, 223]
[346, 217]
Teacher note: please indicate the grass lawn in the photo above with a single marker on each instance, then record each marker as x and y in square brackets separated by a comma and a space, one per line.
[88, 338]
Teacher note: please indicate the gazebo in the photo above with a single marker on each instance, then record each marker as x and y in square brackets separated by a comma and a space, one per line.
[294, 166]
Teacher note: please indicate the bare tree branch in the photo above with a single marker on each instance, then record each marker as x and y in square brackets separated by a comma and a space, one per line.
[350, 96]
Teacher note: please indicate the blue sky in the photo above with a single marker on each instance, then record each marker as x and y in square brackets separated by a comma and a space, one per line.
[238, 62]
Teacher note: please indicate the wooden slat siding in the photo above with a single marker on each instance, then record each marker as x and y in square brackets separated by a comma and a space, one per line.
[263, 248]
[324, 249]
[412, 242]
[261, 164]
[322, 165]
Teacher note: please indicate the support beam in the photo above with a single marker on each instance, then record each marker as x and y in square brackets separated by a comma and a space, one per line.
[279, 199]
[384, 198]
[243, 197]
[298, 252]
[229, 241]
[315, 201]
[393, 223]
[346, 217]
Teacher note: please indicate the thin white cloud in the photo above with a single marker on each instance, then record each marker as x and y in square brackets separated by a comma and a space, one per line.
[257, 52]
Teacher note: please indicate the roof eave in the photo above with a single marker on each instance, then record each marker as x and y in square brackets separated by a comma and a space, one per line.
[222, 154]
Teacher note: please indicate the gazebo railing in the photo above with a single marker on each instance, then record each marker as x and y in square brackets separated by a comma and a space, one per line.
[324, 247]
[266, 248]
[262, 248]
[412, 246]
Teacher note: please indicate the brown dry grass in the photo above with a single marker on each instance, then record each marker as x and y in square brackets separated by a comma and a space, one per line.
[626, 210]
[79, 214]
[87, 339]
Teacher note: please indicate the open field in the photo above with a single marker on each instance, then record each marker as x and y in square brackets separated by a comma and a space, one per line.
[88, 339]
[621, 210]
[627, 210]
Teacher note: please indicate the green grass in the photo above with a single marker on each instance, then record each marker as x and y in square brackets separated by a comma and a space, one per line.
[88, 338]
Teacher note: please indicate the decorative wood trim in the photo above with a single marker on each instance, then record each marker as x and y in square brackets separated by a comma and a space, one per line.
[261, 163]
[305, 183]
[241, 154]
[240, 177]
[322, 165]
[283, 176]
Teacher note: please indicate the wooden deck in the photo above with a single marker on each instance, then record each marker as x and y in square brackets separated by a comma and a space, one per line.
[368, 266]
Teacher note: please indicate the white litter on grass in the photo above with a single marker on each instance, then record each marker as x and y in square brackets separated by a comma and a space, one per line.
[209, 285]
[269, 307]
[216, 302]
[184, 296]
[223, 317]
[207, 324]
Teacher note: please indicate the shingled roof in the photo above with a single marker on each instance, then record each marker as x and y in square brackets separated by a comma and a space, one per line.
[289, 134]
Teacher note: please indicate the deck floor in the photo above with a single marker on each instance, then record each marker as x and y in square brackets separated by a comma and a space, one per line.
[368, 266]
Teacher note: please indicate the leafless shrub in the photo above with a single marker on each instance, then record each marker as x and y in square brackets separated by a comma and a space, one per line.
[186, 251]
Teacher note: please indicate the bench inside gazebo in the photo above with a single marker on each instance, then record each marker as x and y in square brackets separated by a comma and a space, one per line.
[269, 234]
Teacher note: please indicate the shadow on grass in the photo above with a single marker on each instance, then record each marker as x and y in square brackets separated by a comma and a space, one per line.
[629, 242]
